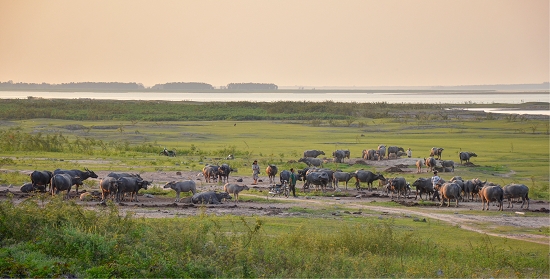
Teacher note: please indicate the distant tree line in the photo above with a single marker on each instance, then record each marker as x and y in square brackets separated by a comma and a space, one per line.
[183, 86]
[252, 86]
[130, 86]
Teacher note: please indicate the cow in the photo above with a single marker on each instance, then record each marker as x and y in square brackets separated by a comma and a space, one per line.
[64, 181]
[448, 165]
[309, 161]
[271, 171]
[74, 173]
[436, 152]
[29, 187]
[381, 152]
[210, 197]
[118, 175]
[419, 164]
[108, 186]
[182, 186]
[130, 185]
[317, 178]
[423, 185]
[234, 189]
[342, 176]
[339, 156]
[430, 163]
[210, 172]
[516, 191]
[41, 178]
[284, 176]
[313, 153]
[366, 176]
[492, 193]
[223, 172]
[448, 191]
[465, 156]
[472, 187]
[399, 185]
[395, 149]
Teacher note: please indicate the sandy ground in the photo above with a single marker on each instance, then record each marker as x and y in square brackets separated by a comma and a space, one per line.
[361, 203]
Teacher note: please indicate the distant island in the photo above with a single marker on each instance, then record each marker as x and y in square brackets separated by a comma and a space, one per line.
[251, 87]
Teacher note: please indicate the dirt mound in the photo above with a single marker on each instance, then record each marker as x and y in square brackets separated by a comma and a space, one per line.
[394, 169]
[468, 164]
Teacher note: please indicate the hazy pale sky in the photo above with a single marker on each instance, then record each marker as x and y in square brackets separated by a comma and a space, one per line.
[286, 42]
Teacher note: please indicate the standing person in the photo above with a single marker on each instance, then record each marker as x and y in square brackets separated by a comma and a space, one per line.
[409, 152]
[292, 182]
[435, 180]
[255, 172]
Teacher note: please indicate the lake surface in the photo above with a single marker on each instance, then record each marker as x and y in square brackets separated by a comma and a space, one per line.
[388, 97]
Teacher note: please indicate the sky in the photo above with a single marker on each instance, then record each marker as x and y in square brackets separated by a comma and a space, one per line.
[285, 42]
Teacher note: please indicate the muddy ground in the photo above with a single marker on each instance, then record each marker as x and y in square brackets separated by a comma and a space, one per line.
[360, 203]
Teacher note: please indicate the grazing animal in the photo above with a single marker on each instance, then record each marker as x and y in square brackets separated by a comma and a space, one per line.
[448, 191]
[342, 176]
[512, 191]
[370, 154]
[309, 161]
[366, 176]
[130, 185]
[234, 189]
[381, 152]
[492, 193]
[108, 186]
[423, 185]
[182, 186]
[436, 152]
[430, 163]
[210, 172]
[29, 187]
[74, 173]
[41, 178]
[313, 153]
[339, 156]
[64, 182]
[284, 176]
[472, 187]
[399, 185]
[223, 172]
[210, 197]
[419, 164]
[465, 156]
[118, 175]
[448, 165]
[395, 149]
[317, 178]
[271, 171]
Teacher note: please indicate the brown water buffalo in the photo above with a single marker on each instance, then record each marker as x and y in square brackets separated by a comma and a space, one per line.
[271, 171]
[492, 193]
[436, 152]
[448, 191]
[430, 163]
[108, 186]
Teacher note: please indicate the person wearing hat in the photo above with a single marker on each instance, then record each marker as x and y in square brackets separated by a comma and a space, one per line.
[435, 180]
[255, 172]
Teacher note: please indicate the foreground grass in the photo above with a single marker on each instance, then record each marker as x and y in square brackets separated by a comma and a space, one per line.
[45, 237]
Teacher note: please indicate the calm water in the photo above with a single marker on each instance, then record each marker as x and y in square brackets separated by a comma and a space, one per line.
[445, 98]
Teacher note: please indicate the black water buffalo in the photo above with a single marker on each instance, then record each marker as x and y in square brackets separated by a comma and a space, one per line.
[430, 163]
[370, 154]
[118, 175]
[210, 197]
[512, 191]
[64, 181]
[492, 193]
[74, 173]
[436, 152]
[395, 149]
[41, 178]
[366, 176]
[338, 176]
[423, 185]
[339, 156]
[169, 153]
[309, 161]
[130, 185]
[472, 187]
[381, 152]
[223, 172]
[108, 186]
[29, 188]
[448, 165]
[465, 156]
[182, 186]
[313, 153]
[399, 185]
[317, 178]
[271, 171]
[284, 176]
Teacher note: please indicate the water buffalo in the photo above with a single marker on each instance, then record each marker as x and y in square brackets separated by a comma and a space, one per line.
[29, 187]
[423, 185]
[366, 176]
[130, 185]
[317, 178]
[512, 191]
[419, 164]
[313, 153]
[436, 152]
[182, 186]
[284, 176]
[395, 149]
[342, 176]
[370, 154]
[381, 152]
[64, 181]
[399, 185]
[118, 175]
[74, 173]
[271, 171]
[430, 163]
[223, 172]
[210, 197]
[210, 172]
[465, 156]
[41, 178]
[169, 153]
[339, 156]
[492, 193]
[472, 187]
[448, 165]
[234, 189]
[309, 161]
[108, 186]
[448, 191]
